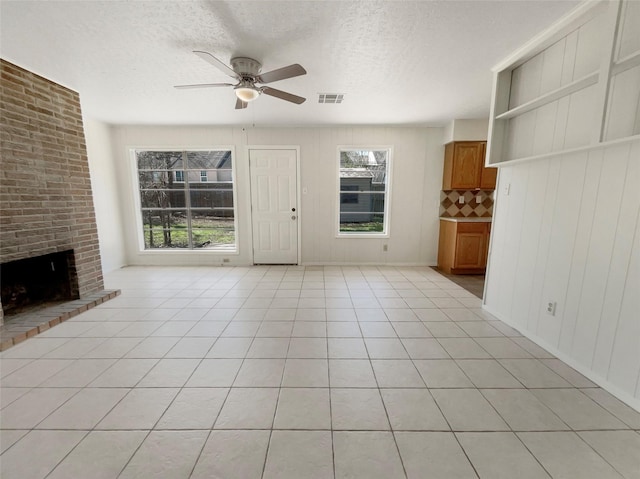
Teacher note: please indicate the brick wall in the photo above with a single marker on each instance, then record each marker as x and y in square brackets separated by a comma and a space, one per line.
[46, 204]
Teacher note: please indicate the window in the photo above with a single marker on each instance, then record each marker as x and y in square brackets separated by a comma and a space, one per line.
[363, 199]
[187, 199]
[346, 197]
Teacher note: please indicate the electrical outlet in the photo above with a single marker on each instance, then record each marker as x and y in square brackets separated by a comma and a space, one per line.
[385, 247]
[551, 308]
[478, 199]
[507, 189]
[461, 200]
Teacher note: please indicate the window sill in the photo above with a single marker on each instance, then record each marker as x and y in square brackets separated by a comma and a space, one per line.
[181, 251]
[362, 235]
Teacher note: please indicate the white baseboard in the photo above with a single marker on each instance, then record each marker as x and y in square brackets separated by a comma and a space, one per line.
[624, 396]
[348, 263]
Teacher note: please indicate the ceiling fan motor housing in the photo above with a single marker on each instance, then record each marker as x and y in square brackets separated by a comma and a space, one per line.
[244, 66]
[248, 72]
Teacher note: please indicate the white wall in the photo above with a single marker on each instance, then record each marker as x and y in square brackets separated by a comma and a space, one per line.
[417, 177]
[104, 186]
[568, 231]
[466, 130]
[566, 219]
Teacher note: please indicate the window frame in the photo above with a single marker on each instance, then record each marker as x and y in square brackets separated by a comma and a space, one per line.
[230, 249]
[387, 192]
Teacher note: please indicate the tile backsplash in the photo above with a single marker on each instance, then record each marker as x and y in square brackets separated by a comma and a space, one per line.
[450, 207]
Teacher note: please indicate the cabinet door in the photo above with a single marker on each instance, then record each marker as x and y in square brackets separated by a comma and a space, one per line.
[446, 245]
[471, 246]
[470, 251]
[467, 165]
[488, 176]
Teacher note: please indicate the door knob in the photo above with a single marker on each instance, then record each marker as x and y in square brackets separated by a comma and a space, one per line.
[293, 217]
[293, 209]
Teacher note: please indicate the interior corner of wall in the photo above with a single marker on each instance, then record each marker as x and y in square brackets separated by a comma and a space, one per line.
[447, 136]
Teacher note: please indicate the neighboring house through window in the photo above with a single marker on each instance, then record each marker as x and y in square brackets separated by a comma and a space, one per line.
[363, 175]
[187, 199]
[347, 197]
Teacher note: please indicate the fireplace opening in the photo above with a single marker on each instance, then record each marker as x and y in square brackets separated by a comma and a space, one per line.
[39, 281]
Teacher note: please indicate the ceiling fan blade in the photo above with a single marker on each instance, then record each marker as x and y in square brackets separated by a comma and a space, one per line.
[283, 95]
[208, 57]
[202, 85]
[240, 104]
[281, 74]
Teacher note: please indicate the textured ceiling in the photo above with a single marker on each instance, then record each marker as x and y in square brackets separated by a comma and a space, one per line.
[397, 62]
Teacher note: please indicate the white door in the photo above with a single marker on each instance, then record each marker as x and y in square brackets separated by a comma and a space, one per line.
[274, 209]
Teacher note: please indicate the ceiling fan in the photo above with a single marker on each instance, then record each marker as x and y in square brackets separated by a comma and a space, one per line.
[247, 72]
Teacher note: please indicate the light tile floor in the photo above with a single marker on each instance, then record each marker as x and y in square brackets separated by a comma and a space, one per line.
[292, 372]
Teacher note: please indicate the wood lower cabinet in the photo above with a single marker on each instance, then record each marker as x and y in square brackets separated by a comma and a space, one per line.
[463, 247]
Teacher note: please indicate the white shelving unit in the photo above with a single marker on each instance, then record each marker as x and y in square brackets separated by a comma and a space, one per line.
[576, 86]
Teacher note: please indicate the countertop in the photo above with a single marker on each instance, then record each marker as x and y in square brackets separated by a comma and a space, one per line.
[474, 219]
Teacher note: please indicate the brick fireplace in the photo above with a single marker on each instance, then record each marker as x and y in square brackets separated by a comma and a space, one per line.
[38, 282]
[46, 203]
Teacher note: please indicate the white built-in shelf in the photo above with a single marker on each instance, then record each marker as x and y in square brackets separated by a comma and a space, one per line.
[569, 151]
[602, 107]
[626, 63]
[568, 89]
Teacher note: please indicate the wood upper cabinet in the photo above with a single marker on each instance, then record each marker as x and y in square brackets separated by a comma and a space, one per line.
[488, 176]
[464, 167]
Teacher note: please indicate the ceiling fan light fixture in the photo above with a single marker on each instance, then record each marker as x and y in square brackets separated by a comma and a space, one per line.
[247, 92]
[247, 72]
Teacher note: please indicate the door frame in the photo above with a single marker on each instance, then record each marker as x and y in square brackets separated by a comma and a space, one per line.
[296, 148]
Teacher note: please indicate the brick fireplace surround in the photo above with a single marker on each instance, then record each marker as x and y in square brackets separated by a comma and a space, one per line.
[46, 203]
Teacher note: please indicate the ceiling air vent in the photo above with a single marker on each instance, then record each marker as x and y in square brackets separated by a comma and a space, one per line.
[330, 97]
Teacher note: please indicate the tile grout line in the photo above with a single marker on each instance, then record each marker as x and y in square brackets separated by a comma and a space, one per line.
[204, 444]
[255, 287]
[473, 467]
[166, 409]
[597, 452]
[333, 450]
[168, 406]
[275, 410]
[404, 470]
[67, 454]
